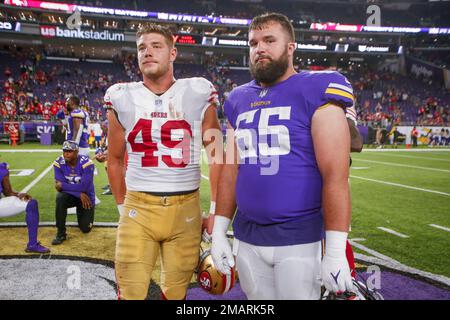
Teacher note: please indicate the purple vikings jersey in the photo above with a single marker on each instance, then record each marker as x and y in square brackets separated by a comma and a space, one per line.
[80, 114]
[4, 171]
[78, 179]
[279, 186]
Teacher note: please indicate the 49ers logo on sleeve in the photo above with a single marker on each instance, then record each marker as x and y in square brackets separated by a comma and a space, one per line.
[148, 146]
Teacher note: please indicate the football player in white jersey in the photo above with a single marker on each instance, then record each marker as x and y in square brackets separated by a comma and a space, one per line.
[77, 124]
[356, 143]
[160, 123]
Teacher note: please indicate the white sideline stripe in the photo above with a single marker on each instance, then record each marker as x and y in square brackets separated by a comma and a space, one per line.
[35, 181]
[31, 150]
[406, 150]
[205, 177]
[439, 227]
[357, 239]
[52, 224]
[370, 251]
[403, 268]
[395, 233]
[35, 150]
[74, 224]
[359, 168]
[386, 261]
[412, 157]
[203, 150]
[21, 172]
[402, 185]
[401, 165]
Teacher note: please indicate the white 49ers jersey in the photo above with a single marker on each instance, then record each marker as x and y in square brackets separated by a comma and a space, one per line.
[163, 132]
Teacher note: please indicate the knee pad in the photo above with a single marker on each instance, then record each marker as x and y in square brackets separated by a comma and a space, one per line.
[247, 281]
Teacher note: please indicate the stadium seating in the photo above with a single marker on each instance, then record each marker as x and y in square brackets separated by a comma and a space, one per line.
[426, 103]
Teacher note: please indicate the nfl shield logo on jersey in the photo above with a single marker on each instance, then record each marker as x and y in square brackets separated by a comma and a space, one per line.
[158, 103]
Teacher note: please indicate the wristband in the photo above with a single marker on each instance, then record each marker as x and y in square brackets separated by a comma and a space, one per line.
[212, 207]
[221, 224]
[335, 243]
[120, 208]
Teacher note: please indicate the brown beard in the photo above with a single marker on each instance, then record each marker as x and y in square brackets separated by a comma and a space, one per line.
[270, 72]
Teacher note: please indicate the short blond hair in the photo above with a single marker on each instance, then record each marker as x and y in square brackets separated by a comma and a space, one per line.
[156, 28]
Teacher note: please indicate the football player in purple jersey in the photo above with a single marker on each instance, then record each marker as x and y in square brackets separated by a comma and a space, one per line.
[14, 203]
[287, 182]
[74, 181]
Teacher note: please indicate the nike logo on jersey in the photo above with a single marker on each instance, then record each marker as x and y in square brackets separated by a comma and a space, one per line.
[335, 277]
[190, 219]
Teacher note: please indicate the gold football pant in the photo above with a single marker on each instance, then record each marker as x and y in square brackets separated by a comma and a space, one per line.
[152, 226]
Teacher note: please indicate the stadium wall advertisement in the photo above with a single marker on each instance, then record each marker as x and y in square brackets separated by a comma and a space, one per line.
[425, 133]
[10, 26]
[44, 127]
[10, 127]
[329, 26]
[421, 68]
[5, 26]
[52, 31]
[332, 26]
[66, 7]
[33, 130]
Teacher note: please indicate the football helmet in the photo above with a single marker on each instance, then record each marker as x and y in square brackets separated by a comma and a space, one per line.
[210, 279]
[360, 292]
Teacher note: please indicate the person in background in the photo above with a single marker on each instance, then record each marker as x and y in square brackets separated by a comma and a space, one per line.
[14, 203]
[414, 136]
[74, 181]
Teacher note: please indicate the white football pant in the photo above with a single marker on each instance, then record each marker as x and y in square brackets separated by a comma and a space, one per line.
[11, 206]
[279, 273]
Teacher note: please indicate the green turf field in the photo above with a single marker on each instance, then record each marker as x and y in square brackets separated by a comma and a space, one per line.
[406, 211]
[407, 192]
[45, 192]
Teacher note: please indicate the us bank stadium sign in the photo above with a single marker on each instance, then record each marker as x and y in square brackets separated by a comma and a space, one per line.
[52, 32]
